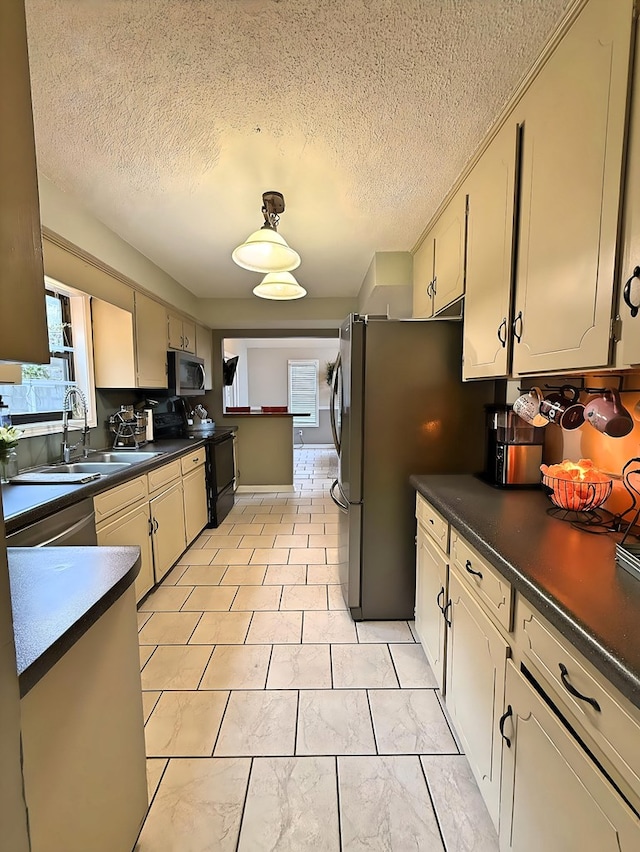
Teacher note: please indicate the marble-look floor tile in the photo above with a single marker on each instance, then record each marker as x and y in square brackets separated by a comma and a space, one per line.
[258, 723]
[169, 628]
[271, 556]
[300, 667]
[323, 540]
[384, 631]
[308, 529]
[247, 529]
[254, 541]
[297, 518]
[304, 597]
[274, 628]
[185, 724]
[145, 651]
[333, 556]
[244, 575]
[165, 599]
[300, 540]
[288, 575]
[198, 807]
[332, 721]
[176, 667]
[239, 556]
[237, 667]
[210, 599]
[328, 626]
[201, 575]
[198, 556]
[412, 628]
[413, 670]
[221, 628]
[251, 598]
[308, 556]
[172, 577]
[335, 596]
[323, 574]
[410, 721]
[143, 617]
[362, 667]
[149, 701]
[155, 768]
[291, 806]
[276, 528]
[385, 806]
[464, 819]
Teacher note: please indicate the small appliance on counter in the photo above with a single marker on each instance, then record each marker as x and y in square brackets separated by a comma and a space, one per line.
[129, 427]
[513, 449]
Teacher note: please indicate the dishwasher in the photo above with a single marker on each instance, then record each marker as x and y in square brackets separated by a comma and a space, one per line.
[73, 526]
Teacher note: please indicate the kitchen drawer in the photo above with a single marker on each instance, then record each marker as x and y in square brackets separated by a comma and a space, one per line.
[614, 728]
[112, 501]
[435, 525]
[164, 475]
[192, 461]
[490, 587]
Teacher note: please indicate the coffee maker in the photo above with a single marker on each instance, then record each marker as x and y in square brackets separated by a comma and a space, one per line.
[513, 449]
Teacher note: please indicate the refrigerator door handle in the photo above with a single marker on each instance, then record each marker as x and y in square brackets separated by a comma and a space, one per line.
[342, 506]
[332, 404]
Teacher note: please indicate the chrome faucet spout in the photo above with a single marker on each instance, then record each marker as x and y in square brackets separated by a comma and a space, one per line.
[73, 393]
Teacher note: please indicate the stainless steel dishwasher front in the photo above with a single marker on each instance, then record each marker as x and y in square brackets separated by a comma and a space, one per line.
[74, 525]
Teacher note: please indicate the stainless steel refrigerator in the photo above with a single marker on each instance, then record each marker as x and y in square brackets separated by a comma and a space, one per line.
[398, 407]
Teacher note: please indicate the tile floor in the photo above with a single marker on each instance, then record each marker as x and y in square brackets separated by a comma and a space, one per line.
[273, 721]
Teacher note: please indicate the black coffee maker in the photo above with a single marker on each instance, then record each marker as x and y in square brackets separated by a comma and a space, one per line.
[513, 449]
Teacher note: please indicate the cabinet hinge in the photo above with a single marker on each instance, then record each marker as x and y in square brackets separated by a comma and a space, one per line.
[616, 329]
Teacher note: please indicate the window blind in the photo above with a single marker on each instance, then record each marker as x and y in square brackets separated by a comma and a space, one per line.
[303, 391]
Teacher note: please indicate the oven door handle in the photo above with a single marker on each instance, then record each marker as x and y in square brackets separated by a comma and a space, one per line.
[342, 506]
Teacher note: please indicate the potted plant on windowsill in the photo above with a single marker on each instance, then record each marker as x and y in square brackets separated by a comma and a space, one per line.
[331, 365]
[9, 436]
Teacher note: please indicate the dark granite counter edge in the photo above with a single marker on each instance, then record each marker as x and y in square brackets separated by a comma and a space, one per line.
[175, 449]
[34, 672]
[602, 657]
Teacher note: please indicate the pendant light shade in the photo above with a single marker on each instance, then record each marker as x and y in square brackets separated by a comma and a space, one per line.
[266, 251]
[279, 286]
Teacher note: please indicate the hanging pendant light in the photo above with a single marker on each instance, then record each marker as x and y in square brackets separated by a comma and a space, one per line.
[279, 286]
[265, 250]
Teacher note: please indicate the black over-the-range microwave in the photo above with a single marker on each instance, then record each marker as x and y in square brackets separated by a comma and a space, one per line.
[186, 374]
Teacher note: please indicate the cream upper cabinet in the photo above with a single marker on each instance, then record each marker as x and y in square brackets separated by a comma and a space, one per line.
[553, 796]
[181, 333]
[151, 342]
[423, 279]
[22, 290]
[490, 232]
[628, 351]
[449, 236]
[204, 350]
[574, 132]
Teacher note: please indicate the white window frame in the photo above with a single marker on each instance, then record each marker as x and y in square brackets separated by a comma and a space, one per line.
[83, 361]
[309, 396]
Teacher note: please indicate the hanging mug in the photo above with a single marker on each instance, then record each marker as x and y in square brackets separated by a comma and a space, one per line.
[608, 415]
[528, 405]
[562, 407]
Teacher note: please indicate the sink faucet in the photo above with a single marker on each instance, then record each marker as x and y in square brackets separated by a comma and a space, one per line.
[73, 393]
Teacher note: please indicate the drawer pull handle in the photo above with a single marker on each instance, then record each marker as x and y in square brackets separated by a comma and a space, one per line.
[444, 612]
[470, 569]
[508, 712]
[430, 520]
[439, 605]
[564, 677]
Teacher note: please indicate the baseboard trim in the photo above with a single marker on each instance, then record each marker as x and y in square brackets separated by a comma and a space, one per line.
[246, 489]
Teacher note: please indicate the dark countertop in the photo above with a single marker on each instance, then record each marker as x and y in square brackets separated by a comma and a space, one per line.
[567, 574]
[57, 594]
[26, 504]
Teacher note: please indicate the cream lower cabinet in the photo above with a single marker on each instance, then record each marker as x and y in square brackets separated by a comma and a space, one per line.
[553, 796]
[132, 527]
[196, 513]
[476, 660]
[168, 528]
[431, 595]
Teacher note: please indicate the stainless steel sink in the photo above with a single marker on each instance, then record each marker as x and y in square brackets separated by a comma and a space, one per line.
[105, 468]
[124, 456]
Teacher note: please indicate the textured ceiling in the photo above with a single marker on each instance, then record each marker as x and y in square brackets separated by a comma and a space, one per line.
[167, 119]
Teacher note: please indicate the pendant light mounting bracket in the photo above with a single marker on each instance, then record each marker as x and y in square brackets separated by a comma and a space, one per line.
[272, 206]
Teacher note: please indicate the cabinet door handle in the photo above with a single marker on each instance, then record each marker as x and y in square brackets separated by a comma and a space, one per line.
[626, 294]
[429, 291]
[150, 526]
[503, 340]
[564, 677]
[508, 712]
[444, 612]
[440, 594]
[516, 334]
[470, 569]
[181, 342]
[155, 525]
[187, 343]
[435, 285]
